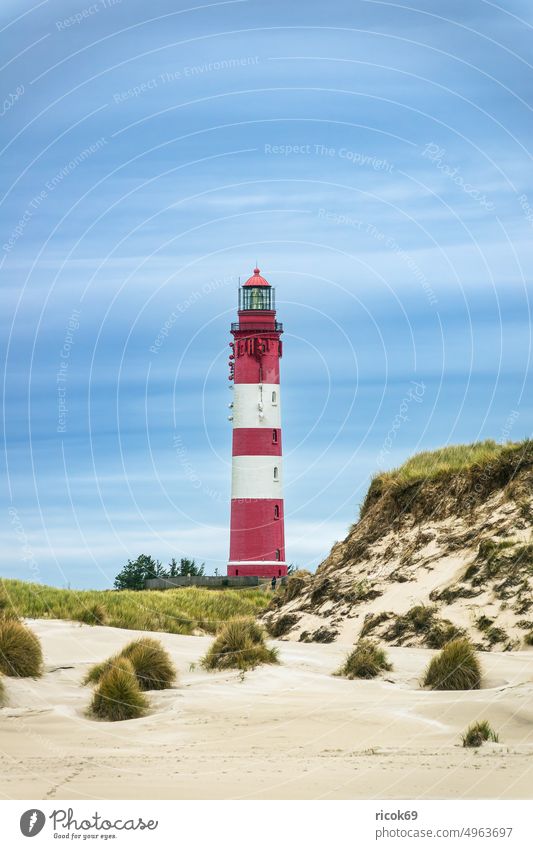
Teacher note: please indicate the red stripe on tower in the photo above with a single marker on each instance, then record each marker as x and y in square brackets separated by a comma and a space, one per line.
[257, 538]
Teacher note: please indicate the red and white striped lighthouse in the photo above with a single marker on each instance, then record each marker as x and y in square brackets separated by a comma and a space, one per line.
[257, 537]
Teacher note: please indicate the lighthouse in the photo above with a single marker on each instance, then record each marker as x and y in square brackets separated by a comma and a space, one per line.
[257, 536]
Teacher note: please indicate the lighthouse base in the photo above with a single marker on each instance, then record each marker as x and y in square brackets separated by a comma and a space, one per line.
[257, 568]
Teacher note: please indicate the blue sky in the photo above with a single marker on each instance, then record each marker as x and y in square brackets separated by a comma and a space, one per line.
[374, 158]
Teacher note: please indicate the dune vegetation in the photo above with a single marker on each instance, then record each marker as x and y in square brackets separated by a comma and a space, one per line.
[472, 472]
[21, 655]
[176, 611]
[151, 664]
[367, 660]
[479, 733]
[458, 458]
[240, 644]
[455, 667]
[3, 697]
[118, 695]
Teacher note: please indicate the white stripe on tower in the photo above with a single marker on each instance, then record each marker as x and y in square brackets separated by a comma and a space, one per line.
[256, 405]
[256, 477]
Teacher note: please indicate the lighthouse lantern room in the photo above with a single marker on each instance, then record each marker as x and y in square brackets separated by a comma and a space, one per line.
[257, 538]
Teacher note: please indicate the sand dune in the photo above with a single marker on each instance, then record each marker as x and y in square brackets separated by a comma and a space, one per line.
[291, 731]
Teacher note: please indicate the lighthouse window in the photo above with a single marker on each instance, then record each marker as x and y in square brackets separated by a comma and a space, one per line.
[276, 511]
[278, 554]
[276, 473]
[275, 437]
[274, 398]
[256, 298]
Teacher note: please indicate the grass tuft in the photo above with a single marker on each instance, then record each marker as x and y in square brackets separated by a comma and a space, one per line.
[21, 655]
[152, 664]
[150, 661]
[94, 614]
[456, 667]
[367, 660]
[478, 733]
[118, 695]
[239, 645]
[3, 697]
[97, 672]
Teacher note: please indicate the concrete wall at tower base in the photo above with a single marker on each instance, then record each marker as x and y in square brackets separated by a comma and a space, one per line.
[259, 570]
[209, 581]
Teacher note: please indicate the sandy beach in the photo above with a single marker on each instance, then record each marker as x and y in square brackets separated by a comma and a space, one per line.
[289, 731]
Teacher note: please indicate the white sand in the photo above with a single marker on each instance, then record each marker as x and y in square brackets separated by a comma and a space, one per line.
[291, 731]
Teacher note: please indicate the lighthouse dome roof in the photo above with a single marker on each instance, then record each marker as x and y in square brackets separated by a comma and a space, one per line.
[256, 279]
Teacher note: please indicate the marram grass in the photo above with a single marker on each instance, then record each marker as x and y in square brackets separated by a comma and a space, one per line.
[7, 611]
[478, 733]
[455, 667]
[180, 611]
[98, 670]
[118, 695]
[454, 458]
[21, 655]
[366, 660]
[151, 664]
[240, 644]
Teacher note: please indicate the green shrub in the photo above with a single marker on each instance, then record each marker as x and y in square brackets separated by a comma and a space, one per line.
[21, 655]
[456, 667]
[150, 661]
[528, 639]
[152, 664]
[478, 733]
[366, 661]
[118, 695]
[239, 645]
